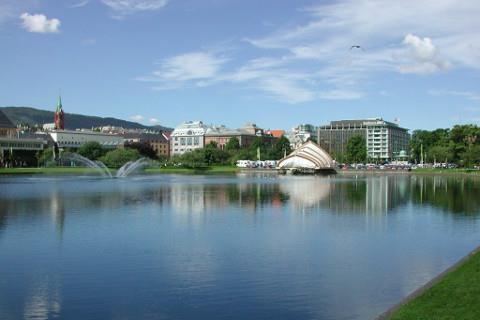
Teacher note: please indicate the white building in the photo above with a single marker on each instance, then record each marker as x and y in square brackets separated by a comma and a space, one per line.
[74, 139]
[301, 134]
[187, 137]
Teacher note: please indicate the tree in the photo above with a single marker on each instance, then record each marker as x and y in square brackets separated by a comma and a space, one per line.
[45, 157]
[143, 148]
[91, 150]
[471, 156]
[440, 154]
[232, 144]
[280, 148]
[118, 157]
[356, 151]
[213, 155]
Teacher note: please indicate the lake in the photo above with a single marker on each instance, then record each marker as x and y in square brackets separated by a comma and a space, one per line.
[227, 247]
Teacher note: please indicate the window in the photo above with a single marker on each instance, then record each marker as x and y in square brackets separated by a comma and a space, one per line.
[182, 141]
[189, 141]
[196, 141]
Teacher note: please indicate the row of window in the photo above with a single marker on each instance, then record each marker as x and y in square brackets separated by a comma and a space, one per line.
[20, 145]
[189, 141]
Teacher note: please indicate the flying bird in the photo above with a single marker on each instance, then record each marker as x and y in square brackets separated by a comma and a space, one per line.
[356, 47]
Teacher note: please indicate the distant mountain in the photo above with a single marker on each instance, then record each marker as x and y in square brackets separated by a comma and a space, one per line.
[73, 121]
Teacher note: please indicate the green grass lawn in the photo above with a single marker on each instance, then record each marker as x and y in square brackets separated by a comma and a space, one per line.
[446, 171]
[456, 296]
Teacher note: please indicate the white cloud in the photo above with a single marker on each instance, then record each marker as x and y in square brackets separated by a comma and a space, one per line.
[176, 71]
[334, 27]
[137, 118]
[286, 90]
[312, 60]
[339, 94]
[154, 121]
[80, 4]
[39, 23]
[422, 49]
[125, 7]
[422, 56]
[464, 94]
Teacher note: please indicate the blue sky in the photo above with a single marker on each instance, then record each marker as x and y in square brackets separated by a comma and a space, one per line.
[274, 63]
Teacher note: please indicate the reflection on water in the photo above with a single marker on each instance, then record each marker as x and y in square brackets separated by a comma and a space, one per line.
[227, 247]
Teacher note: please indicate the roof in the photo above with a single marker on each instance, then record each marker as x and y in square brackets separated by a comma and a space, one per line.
[222, 131]
[276, 133]
[142, 136]
[308, 156]
[5, 122]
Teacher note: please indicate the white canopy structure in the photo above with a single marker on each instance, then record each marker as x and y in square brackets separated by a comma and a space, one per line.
[309, 157]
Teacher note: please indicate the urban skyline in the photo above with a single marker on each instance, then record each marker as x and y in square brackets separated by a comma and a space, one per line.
[141, 60]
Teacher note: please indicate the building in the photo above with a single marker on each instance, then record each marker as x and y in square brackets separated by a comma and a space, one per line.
[17, 149]
[252, 129]
[7, 128]
[157, 141]
[76, 138]
[187, 137]
[221, 135]
[301, 134]
[59, 117]
[385, 140]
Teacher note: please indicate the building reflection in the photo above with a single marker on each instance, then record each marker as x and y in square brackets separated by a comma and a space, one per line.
[370, 195]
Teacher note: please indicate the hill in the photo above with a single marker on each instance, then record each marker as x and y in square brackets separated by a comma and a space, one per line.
[32, 116]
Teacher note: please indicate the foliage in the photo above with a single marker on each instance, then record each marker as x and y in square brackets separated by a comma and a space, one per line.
[232, 144]
[118, 157]
[356, 150]
[91, 150]
[459, 144]
[45, 157]
[280, 149]
[143, 149]
[270, 149]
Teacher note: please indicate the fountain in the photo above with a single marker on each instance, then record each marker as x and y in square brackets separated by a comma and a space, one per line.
[124, 171]
[102, 169]
[131, 166]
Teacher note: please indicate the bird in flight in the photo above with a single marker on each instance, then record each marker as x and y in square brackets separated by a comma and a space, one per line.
[356, 47]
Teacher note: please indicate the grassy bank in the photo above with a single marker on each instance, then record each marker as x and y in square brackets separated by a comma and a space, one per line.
[49, 171]
[447, 171]
[82, 170]
[453, 296]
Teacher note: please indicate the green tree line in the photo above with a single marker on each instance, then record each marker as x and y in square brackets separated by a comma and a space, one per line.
[460, 144]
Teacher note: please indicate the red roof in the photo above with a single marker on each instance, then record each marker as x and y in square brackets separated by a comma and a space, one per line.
[276, 133]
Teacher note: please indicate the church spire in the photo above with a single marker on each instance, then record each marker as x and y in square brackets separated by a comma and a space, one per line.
[59, 116]
[59, 104]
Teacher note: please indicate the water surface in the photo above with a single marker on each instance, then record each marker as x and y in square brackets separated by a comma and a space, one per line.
[227, 247]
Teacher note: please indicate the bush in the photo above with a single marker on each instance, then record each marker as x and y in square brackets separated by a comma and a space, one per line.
[91, 150]
[118, 157]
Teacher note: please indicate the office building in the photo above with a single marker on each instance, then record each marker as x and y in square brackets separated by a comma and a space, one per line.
[385, 141]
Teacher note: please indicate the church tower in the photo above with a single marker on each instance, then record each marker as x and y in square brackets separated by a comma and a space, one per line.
[59, 116]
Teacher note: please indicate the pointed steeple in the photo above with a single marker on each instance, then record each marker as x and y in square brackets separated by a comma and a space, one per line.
[59, 116]
[59, 104]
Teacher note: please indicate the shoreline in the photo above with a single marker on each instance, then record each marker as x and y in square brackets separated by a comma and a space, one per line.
[223, 169]
[417, 293]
